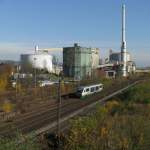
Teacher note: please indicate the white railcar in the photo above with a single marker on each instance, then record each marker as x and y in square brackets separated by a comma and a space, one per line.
[46, 83]
[83, 91]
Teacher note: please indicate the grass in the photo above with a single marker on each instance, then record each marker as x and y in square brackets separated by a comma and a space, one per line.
[122, 124]
[139, 93]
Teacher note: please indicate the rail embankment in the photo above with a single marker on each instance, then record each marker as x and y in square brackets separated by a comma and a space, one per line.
[122, 123]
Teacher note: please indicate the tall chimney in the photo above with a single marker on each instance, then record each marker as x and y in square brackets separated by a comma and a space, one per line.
[123, 45]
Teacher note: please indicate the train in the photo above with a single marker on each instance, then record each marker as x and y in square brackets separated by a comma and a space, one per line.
[46, 83]
[83, 91]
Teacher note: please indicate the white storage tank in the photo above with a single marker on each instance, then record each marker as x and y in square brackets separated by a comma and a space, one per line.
[39, 60]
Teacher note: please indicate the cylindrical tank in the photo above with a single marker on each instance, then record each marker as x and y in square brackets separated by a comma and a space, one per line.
[38, 60]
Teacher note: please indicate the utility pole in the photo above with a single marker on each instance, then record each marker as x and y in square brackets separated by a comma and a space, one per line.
[59, 110]
[17, 78]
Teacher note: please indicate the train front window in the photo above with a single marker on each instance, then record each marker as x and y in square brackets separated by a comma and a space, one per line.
[87, 90]
[80, 90]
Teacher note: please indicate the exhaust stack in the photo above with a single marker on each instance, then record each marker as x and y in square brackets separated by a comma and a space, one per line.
[123, 45]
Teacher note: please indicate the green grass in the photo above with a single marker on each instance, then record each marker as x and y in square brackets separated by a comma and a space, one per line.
[122, 124]
[139, 93]
[28, 143]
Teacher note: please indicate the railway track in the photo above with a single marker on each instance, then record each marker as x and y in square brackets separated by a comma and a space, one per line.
[38, 120]
[84, 107]
[31, 120]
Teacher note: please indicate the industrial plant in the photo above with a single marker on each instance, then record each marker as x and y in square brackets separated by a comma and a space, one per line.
[78, 61]
[51, 97]
[127, 65]
[82, 62]
[120, 63]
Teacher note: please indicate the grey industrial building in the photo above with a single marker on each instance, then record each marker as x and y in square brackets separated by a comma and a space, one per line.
[78, 61]
[115, 57]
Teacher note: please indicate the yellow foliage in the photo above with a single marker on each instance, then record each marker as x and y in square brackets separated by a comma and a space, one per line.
[18, 87]
[7, 107]
[111, 104]
[104, 132]
[5, 71]
[102, 110]
[124, 144]
[3, 83]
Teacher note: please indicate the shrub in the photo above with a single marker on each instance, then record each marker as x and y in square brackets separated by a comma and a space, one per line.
[104, 131]
[28, 143]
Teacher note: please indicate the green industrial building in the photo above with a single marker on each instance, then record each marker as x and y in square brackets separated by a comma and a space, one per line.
[77, 62]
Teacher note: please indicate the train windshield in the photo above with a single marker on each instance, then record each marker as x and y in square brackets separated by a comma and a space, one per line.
[80, 90]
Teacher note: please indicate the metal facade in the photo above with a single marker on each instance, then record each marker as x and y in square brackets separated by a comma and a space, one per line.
[77, 62]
